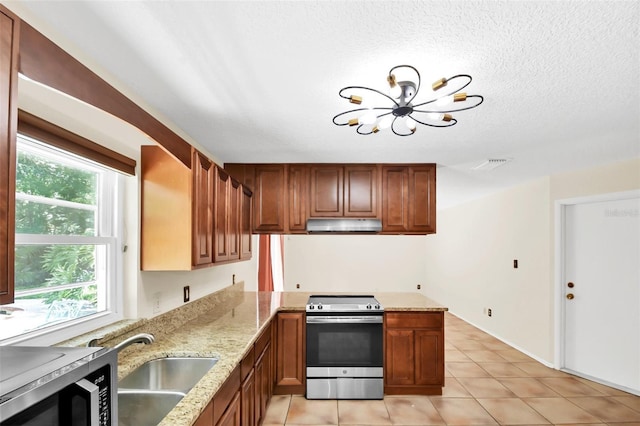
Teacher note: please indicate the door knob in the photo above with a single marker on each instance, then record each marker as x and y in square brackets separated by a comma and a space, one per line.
[570, 296]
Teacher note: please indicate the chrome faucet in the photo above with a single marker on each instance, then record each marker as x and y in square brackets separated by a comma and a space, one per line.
[145, 338]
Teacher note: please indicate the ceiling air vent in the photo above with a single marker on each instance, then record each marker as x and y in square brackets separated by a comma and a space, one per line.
[491, 164]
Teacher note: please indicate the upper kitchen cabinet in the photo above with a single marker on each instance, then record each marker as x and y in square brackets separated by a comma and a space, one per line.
[191, 217]
[246, 221]
[9, 31]
[298, 193]
[409, 199]
[228, 210]
[267, 181]
[280, 195]
[270, 198]
[285, 196]
[203, 191]
[344, 191]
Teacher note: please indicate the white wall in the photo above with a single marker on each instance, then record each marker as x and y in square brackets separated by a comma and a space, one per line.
[357, 263]
[471, 256]
[471, 259]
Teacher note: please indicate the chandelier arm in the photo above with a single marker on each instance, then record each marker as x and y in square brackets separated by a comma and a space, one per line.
[418, 83]
[344, 113]
[361, 109]
[366, 88]
[361, 133]
[459, 89]
[449, 110]
[448, 124]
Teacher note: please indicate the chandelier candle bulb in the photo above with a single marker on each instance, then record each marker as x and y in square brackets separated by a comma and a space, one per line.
[385, 122]
[368, 118]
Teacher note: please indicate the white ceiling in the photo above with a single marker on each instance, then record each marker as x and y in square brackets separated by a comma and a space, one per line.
[258, 81]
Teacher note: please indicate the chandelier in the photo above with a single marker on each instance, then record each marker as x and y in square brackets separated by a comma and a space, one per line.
[401, 114]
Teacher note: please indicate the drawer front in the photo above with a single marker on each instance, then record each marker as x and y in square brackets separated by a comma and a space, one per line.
[246, 365]
[263, 340]
[414, 319]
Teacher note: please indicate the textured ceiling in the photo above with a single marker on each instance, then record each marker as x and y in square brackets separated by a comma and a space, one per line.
[258, 81]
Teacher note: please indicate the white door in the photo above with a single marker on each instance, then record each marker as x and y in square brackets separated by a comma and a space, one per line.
[602, 319]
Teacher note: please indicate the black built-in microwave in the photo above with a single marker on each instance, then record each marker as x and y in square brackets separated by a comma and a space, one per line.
[57, 386]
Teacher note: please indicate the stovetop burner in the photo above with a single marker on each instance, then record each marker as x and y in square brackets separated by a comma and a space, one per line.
[343, 303]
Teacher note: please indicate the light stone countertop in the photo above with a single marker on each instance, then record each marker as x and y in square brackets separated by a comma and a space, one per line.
[225, 329]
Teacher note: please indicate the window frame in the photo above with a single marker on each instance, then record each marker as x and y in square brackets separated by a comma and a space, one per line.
[60, 139]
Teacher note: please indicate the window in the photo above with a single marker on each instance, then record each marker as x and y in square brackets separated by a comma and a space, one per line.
[66, 254]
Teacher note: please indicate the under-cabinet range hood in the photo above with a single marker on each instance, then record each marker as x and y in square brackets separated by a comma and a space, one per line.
[344, 225]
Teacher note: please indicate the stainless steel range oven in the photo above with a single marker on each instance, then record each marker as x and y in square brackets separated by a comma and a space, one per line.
[344, 347]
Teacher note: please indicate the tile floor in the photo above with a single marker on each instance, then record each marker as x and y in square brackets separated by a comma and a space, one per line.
[487, 383]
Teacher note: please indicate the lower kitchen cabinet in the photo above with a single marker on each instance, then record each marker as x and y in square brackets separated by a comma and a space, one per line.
[248, 390]
[231, 416]
[226, 402]
[414, 353]
[263, 379]
[206, 417]
[224, 408]
[290, 352]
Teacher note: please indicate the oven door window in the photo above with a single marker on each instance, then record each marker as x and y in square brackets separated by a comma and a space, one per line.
[344, 345]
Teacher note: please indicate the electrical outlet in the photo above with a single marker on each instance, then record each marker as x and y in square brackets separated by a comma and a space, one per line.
[233, 279]
[156, 303]
[418, 286]
[489, 312]
[297, 285]
[186, 293]
[515, 263]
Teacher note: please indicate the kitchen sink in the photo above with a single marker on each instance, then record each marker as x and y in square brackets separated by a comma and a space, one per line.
[145, 407]
[148, 393]
[176, 374]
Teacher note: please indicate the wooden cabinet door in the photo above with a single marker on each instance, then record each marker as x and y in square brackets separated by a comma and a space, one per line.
[422, 200]
[263, 383]
[9, 33]
[248, 400]
[232, 416]
[414, 353]
[226, 402]
[429, 352]
[298, 192]
[399, 357]
[221, 211]
[233, 218]
[326, 191]
[246, 216]
[395, 199]
[269, 199]
[206, 417]
[203, 170]
[290, 360]
[361, 188]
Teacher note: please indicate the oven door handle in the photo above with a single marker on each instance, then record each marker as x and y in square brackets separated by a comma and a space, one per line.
[331, 319]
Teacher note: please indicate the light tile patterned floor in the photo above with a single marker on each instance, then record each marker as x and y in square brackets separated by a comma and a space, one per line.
[487, 383]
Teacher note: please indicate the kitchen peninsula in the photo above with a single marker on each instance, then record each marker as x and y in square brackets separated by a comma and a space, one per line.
[251, 332]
